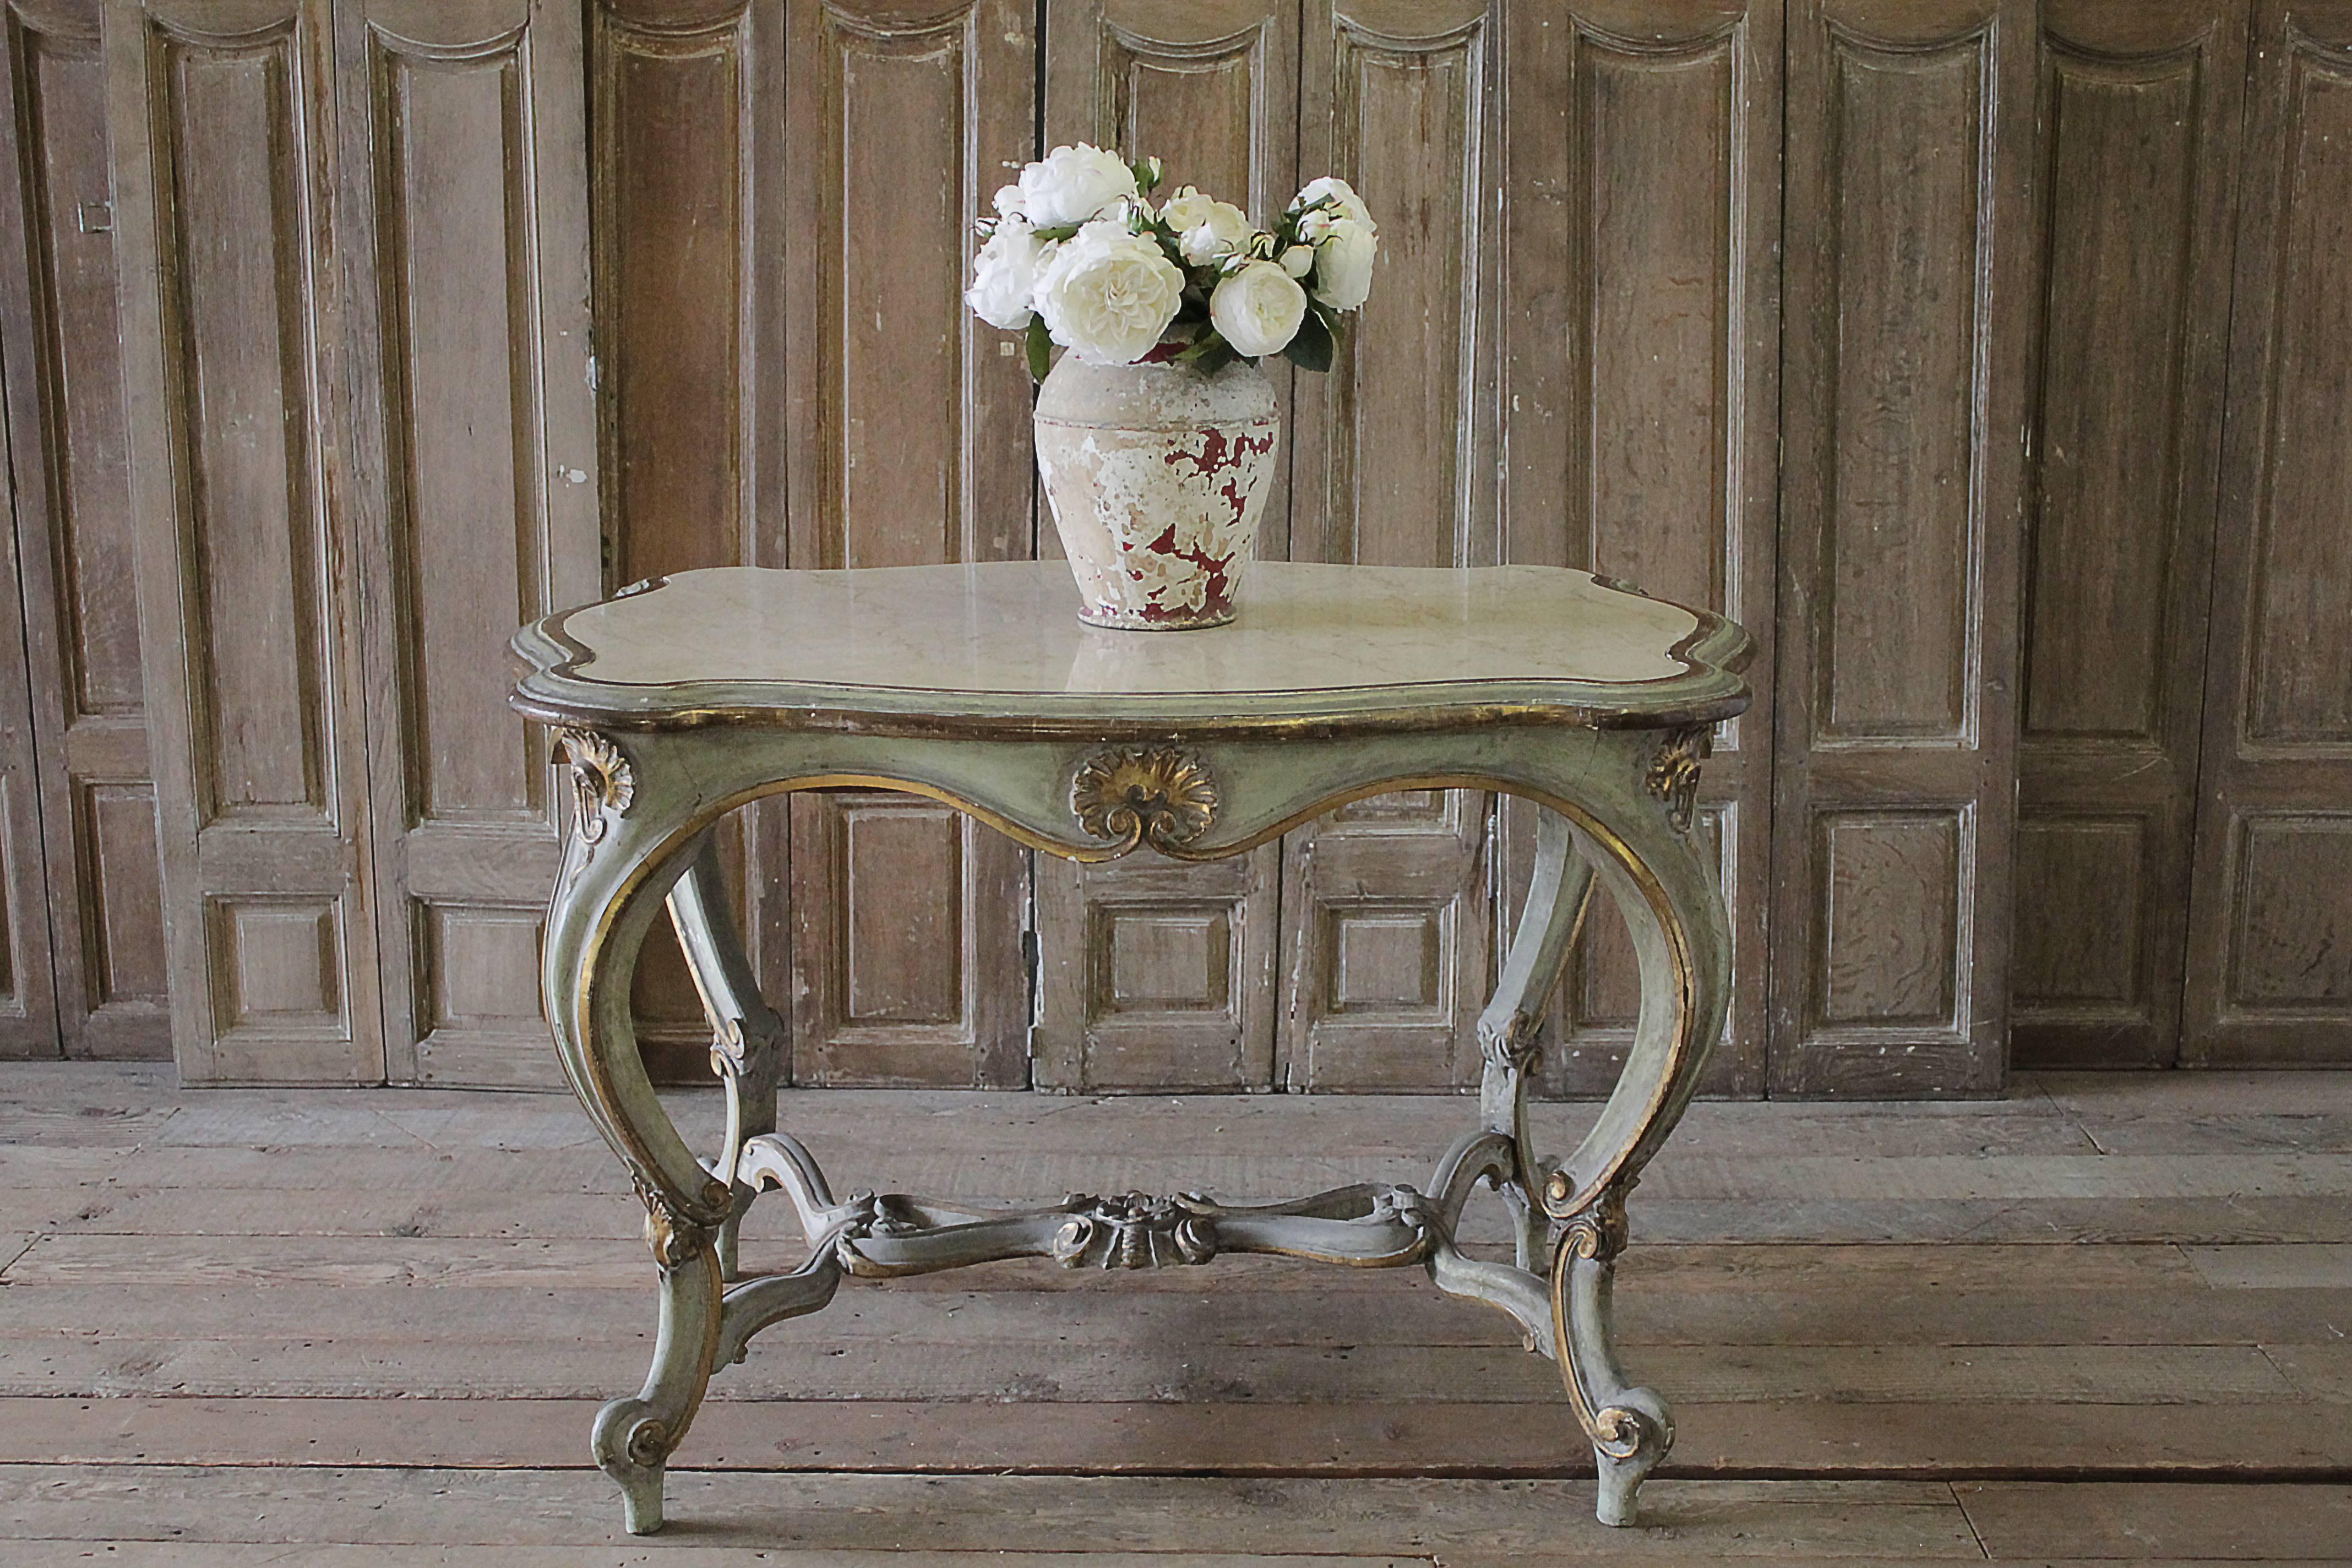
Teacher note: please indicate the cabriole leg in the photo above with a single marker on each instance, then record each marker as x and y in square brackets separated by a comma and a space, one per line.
[617, 866]
[1508, 1028]
[1632, 1428]
[747, 1037]
[633, 1438]
[1641, 850]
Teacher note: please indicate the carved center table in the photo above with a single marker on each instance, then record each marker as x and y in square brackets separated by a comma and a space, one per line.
[683, 699]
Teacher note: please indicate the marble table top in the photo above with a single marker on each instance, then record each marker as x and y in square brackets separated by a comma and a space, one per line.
[1000, 645]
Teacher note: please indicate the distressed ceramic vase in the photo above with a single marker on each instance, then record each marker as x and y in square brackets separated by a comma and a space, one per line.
[1157, 476]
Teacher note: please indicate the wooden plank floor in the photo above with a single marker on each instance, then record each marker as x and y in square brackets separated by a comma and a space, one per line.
[2105, 1320]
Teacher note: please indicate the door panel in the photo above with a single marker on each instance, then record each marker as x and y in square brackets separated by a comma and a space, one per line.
[465, 196]
[2271, 922]
[63, 347]
[221, 123]
[909, 444]
[1640, 410]
[2139, 122]
[1909, 127]
[1387, 910]
[1153, 974]
[686, 192]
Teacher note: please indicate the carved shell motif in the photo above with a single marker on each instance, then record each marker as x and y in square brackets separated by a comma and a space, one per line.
[601, 781]
[1673, 774]
[1160, 796]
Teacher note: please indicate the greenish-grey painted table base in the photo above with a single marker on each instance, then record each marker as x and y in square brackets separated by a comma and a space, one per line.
[1577, 694]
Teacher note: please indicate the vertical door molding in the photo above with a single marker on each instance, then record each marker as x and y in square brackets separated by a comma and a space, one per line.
[2136, 181]
[909, 443]
[1640, 407]
[1387, 910]
[2270, 969]
[465, 241]
[1152, 973]
[1908, 130]
[222, 123]
[686, 114]
[93, 839]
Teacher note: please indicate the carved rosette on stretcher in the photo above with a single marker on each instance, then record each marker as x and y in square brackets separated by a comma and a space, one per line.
[1157, 476]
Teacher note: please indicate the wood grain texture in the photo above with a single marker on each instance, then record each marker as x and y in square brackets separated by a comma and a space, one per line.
[1640, 400]
[466, 233]
[1155, 973]
[686, 198]
[1909, 126]
[2135, 190]
[2103, 1401]
[1387, 907]
[2271, 912]
[220, 115]
[62, 346]
[908, 443]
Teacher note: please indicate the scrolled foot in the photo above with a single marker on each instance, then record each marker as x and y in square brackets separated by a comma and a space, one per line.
[632, 1445]
[1630, 1437]
[1632, 1428]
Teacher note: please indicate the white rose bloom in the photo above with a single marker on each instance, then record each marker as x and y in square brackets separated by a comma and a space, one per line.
[1187, 209]
[1004, 275]
[1008, 202]
[1343, 264]
[1299, 260]
[1071, 185]
[1226, 230]
[1258, 307]
[1206, 228]
[1107, 294]
[1348, 203]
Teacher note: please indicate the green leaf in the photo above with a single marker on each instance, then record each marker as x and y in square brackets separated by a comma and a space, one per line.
[1312, 347]
[1149, 172]
[1059, 231]
[1040, 349]
[1219, 355]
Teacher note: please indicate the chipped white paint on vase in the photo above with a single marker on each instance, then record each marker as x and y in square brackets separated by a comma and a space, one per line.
[1157, 476]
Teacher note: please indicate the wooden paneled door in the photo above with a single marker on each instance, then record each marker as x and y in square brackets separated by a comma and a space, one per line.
[1909, 124]
[2270, 970]
[355, 292]
[473, 494]
[2136, 179]
[1152, 973]
[1639, 406]
[686, 192]
[1386, 909]
[222, 115]
[908, 443]
[62, 342]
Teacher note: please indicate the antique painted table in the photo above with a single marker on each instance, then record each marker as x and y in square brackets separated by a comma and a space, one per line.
[682, 698]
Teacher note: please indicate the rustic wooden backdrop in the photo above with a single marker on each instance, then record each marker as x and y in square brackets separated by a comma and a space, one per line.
[1991, 360]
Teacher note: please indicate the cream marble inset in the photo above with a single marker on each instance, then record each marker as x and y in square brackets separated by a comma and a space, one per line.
[1011, 628]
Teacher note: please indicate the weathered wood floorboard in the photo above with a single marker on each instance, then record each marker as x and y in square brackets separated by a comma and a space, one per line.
[2112, 1312]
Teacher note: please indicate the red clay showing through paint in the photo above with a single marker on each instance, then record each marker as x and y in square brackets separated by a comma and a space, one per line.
[1218, 452]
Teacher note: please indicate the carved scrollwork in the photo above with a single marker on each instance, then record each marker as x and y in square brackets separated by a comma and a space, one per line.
[1160, 796]
[1135, 1230]
[1673, 774]
[1516, 1045]
[673, 1236]
[602, 785]
[1600, 1232]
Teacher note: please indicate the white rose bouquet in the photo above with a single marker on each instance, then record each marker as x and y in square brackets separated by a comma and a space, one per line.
[1078, 254]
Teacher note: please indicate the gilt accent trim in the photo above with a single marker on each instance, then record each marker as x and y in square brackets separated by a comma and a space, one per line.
[1673, 774]
[602, 785]
[1160, 796]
